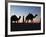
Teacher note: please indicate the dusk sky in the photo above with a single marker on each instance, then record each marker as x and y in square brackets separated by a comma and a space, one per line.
[25, 10]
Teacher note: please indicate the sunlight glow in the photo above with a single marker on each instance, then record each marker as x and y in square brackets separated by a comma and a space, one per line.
[34, 21]
[29, 21]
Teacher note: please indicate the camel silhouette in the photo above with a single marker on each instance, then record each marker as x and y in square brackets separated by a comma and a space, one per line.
[30, 17]
[15, 19]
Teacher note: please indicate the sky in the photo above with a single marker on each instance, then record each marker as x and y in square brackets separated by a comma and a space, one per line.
[25, 10]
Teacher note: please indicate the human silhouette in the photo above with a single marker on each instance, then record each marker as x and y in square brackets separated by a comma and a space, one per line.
[15, 19]
[30, 17]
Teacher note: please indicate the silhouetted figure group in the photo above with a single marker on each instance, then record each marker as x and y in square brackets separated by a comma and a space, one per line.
[15, 19]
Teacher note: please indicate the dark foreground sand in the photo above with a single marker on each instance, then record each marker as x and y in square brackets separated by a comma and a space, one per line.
[25, 26]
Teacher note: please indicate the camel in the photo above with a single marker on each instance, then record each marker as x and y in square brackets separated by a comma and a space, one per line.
[30, 17]
[15, 19]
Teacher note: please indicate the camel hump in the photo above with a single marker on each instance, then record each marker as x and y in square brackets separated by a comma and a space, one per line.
[14, 16]
[29, 15]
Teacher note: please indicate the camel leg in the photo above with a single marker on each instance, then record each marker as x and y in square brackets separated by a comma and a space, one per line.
[32, 21]
[27, 21]
[17, 21]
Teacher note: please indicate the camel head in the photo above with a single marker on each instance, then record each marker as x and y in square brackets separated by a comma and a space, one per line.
[19, 17]
[35, 15]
